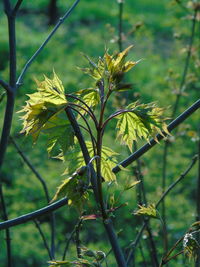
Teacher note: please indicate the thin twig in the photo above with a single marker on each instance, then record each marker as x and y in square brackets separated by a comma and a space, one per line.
[30, 61]
[198, 197]
[82, 102]
[186, 67]
[67, 244]
[172, 257]
[43, 238]
[5, 218]
[77, 239]
[32, 168]
[5, 85]
[16, 8]
[120, 31]
[142, 200]
[43, 183]
[177, 181]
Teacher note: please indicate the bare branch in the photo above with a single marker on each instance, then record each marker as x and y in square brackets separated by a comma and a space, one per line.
[30, 61]
[16, 8]
[33, 215]
[5, 217]
[42, 181]
[43, 238]
[6, 86]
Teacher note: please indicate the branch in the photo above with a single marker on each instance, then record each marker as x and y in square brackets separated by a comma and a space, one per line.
[43, 238]
[5, 217]
[6, 86]
[6, 126]
[159, 137]
[42, 181]
[121, 3]
[89, 109]
[185, 71]
[16, 8]
[83, 146]
[32, 168]
[33, 215]
[177, 181]
[30, 61]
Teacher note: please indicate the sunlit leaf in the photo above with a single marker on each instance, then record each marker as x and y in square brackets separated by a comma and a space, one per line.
[96, 71]
[108, 162]
[149, 211]
[130, 185]
[90, 97]
[117, 66]
[60, 134]
[43, 105]
[140, 121]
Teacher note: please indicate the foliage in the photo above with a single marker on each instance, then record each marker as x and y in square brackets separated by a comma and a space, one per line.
[149, 211]
[157, 38]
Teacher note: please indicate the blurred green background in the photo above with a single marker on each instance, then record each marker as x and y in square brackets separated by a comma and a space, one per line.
[159, 31]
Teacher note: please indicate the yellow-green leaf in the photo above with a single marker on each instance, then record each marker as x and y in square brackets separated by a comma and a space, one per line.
[43, 105]
[140, 121]
[108, 160]
[149, 211]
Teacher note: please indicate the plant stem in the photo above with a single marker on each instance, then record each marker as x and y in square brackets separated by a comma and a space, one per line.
[5, 218]
[142, 200]
[84, 149]
[198, 197]
[30, 61]
[106, 220]
[6, 125]
[77, 239]
[43, 183]
[67, 244]
[33, 215]
[9, 108]
[121, 5]
[43, 238]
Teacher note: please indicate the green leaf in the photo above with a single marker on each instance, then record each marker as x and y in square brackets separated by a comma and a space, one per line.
[90, 97]
[96, 71]
[149, 211]
[74, 188]
[75, 160]
[130, 185]
[117, 66]
[43, 105]
[140, 121]
[60, 134]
